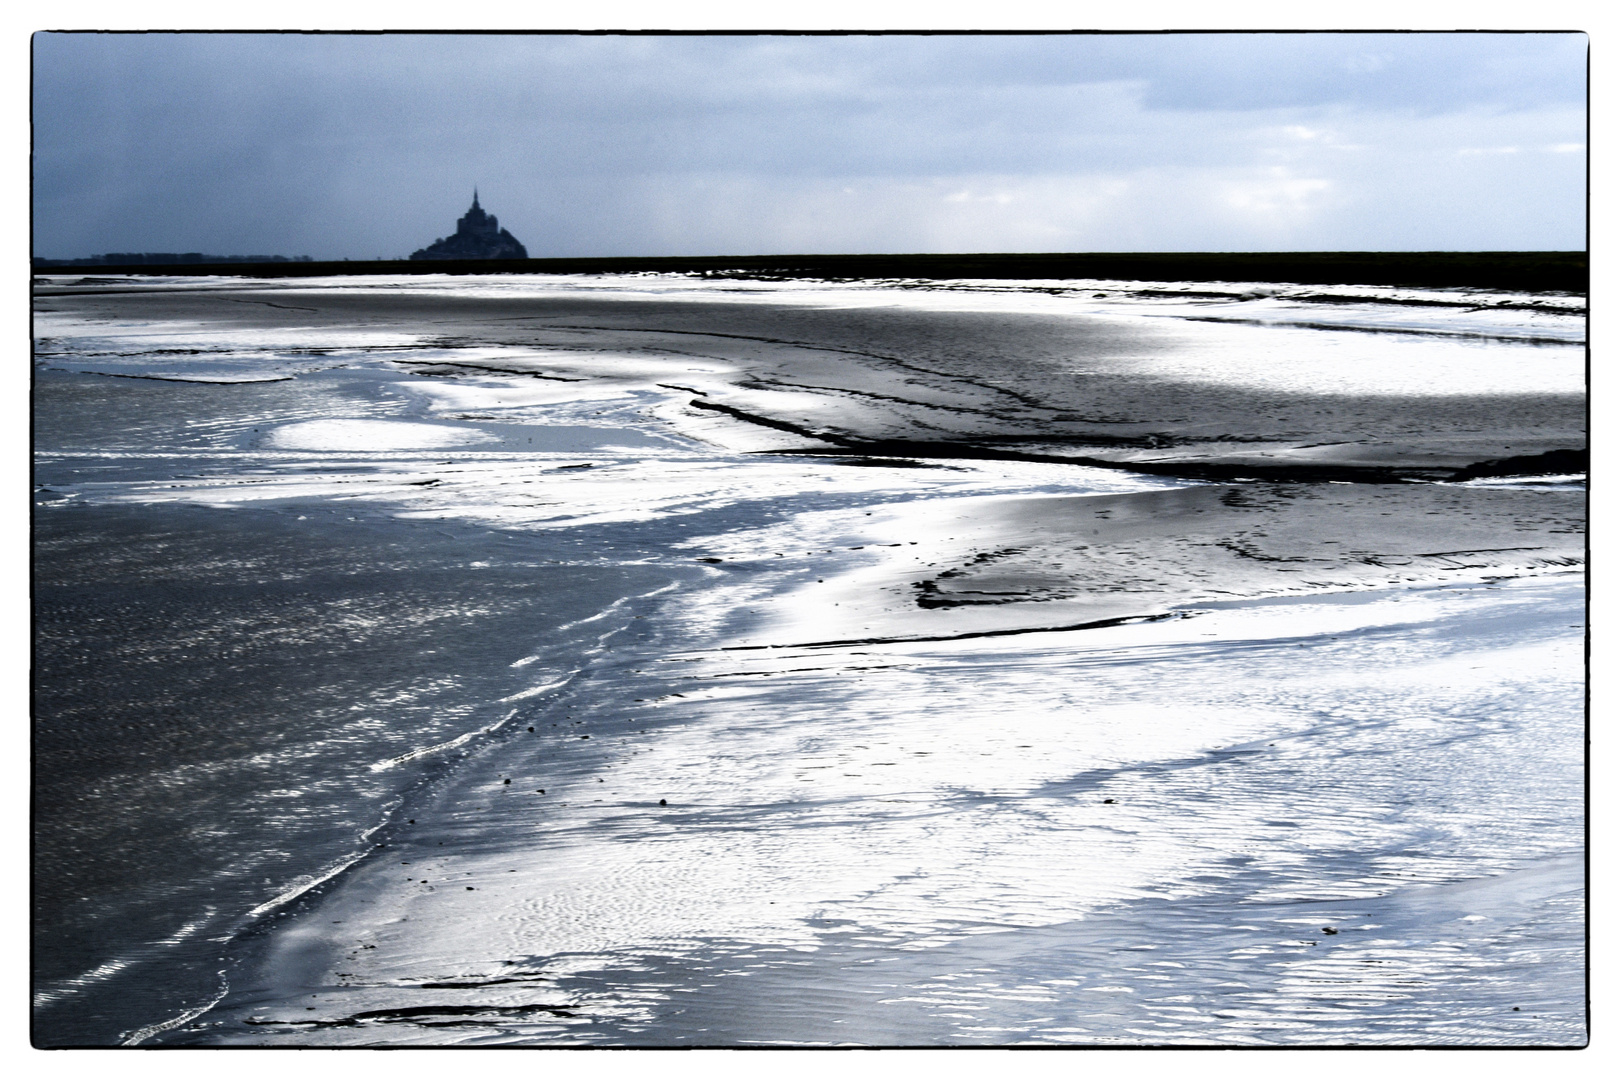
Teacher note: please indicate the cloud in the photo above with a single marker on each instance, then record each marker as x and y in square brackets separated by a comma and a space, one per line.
[1278, 198]
[359, 146]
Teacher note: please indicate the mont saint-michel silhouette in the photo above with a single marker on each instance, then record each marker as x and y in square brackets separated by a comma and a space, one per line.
[478, 236]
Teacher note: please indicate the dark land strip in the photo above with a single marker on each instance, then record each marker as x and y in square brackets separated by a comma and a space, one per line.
[1526, 271]
[426, 1015]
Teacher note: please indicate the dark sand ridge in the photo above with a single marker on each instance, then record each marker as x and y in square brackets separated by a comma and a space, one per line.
[891, 382]
[994, 566]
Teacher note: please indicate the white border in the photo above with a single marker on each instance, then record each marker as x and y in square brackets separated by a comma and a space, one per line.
[846, 15]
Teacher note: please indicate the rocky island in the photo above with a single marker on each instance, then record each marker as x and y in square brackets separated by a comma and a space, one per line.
[478, 235]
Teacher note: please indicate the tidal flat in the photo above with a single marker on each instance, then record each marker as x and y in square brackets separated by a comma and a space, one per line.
[683, 660]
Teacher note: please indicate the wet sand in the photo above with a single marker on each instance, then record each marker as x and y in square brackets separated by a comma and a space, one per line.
[1041, 665]
[992, 564]
[1121, 381]
[1286, 824]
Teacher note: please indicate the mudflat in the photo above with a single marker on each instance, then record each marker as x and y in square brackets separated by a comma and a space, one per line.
[513, 659]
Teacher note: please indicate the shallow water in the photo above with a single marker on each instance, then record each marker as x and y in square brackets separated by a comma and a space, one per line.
[212, 696]
[297, 612]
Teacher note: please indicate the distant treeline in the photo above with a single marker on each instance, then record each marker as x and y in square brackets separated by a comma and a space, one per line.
[167, 258]
[1527, 271]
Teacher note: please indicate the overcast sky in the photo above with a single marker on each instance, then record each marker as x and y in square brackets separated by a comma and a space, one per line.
[368, 146]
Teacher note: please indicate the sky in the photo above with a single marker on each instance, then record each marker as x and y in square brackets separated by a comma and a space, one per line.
[369, 146]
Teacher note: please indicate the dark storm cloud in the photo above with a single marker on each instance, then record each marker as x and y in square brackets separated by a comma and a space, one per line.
[362, 146]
